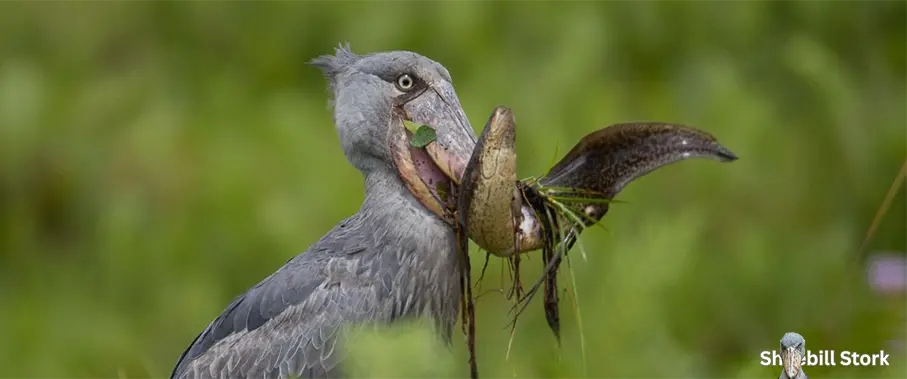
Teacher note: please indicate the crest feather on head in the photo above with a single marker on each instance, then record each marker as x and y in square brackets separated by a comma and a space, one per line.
[331, 65]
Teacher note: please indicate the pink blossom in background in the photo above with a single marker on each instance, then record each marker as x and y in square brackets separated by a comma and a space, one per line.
[888, 273]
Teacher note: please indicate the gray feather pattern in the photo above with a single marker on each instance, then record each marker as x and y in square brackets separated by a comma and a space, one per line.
[392, 260]
[290, 323]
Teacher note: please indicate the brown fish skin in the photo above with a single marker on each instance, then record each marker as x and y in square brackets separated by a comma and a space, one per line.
[606, 160]
[603, 162]
[489, 202]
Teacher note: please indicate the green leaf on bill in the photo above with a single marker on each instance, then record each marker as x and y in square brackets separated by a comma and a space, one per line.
[423, 136]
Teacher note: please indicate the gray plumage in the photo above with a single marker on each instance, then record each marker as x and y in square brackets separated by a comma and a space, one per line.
[796, 342]
[393, 259]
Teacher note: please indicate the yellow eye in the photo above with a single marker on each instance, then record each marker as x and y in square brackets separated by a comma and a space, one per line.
[405, 82]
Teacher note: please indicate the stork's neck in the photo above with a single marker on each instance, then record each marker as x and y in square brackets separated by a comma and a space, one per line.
[422, 245]
[399, 218]
[399, 221]
[387, 196]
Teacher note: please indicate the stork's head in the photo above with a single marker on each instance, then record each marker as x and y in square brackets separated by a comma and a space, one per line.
[793, 349]
[374, 94]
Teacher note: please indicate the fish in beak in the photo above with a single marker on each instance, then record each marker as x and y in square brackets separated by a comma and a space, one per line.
[433, 172]
[792, 360]
[456, 171]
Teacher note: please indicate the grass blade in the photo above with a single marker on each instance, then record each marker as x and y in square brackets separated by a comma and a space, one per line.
[883, 209]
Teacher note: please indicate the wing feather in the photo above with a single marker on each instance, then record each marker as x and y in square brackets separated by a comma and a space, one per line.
[287, 325]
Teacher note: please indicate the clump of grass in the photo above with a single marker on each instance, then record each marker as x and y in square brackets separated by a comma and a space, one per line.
[560, 213]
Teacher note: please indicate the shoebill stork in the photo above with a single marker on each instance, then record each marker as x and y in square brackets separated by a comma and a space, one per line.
[395, 258]
[793, 349]
[398, 257]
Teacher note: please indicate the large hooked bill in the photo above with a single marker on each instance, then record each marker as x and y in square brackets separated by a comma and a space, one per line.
[503, 215]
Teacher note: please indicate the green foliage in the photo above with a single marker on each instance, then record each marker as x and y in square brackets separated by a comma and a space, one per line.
[159, 158]
[423, 136]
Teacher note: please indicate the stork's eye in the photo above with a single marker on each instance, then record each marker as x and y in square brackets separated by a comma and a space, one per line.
[405, 82]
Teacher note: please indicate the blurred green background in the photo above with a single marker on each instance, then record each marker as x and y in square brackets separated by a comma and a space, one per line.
[159, 158]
